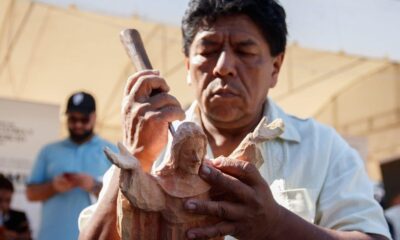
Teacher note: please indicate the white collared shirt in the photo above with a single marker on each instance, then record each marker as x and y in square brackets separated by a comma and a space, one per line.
[313, 172]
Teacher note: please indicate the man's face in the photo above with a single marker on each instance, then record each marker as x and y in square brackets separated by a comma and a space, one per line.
[231, 68]
[80, 126]
[5, 200]
[190, 156]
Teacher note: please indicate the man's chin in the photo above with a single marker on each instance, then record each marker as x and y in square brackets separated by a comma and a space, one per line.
[224, 116]
[80, 137]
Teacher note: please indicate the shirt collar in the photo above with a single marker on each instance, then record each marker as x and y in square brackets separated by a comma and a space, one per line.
[271, 111]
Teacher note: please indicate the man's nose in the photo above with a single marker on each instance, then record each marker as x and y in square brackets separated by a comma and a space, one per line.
[225, 65]
[77, 124]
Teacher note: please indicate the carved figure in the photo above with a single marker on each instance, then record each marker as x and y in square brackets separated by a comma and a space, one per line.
[160, 197]
[248, 150]
[151, 205]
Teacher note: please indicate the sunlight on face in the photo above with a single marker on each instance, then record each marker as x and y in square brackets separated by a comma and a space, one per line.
[231, 70]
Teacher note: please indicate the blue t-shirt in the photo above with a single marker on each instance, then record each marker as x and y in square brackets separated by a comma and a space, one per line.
[60, 213]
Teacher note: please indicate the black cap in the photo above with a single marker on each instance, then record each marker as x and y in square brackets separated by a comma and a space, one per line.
[81, 102]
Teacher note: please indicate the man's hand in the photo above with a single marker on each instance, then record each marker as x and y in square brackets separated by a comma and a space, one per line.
[146, 115]
[246, 207]
[247, 210]
[62, 184]
[84, 181]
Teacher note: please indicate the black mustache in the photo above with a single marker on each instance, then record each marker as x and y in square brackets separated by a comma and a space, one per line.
[217, 86]
[224, 90]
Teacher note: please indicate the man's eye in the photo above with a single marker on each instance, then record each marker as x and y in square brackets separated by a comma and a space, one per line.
[208, 50]
[245, 53]
[209, 53]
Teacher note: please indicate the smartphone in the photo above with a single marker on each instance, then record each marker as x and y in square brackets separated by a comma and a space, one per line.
[69, 175]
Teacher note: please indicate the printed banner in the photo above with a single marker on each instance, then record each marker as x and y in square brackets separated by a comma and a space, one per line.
[24, 128]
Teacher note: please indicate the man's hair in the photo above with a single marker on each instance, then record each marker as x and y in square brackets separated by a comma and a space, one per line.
[6, 184]
[268, 16]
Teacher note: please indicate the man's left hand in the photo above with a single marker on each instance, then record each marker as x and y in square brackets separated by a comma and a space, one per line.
[84, 181]
[247, 208]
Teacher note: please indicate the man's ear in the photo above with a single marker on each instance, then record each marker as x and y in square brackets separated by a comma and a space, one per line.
[187, 63]
[277, 64]
[93, 117]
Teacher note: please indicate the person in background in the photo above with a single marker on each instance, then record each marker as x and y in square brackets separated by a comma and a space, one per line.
[14, 224]
[67, 174]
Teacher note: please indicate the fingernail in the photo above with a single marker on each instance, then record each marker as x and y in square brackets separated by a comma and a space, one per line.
[217, 161]
[191, 205]
[205, 170]
[191, 235]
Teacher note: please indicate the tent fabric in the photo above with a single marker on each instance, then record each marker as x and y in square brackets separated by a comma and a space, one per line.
[46, 53]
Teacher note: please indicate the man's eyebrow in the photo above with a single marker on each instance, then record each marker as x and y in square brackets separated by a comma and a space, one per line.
[246, 43]
[208, 42]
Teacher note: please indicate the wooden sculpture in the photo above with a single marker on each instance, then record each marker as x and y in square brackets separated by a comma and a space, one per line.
[151, 205]
[157, 200]
[248, 150]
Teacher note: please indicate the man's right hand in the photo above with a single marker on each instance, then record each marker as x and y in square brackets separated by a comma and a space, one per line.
[62, 184]
[145, 116]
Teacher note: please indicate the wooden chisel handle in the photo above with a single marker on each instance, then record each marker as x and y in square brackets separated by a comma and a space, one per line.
[133, 44]
[132, 41]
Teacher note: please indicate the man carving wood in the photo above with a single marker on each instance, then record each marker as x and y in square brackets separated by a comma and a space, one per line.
[234, 51]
